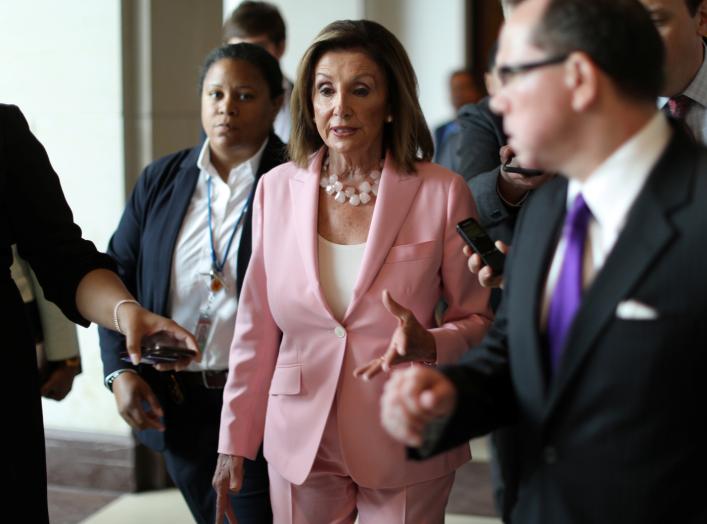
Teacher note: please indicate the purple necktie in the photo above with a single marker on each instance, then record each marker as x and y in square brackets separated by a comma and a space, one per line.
[568, 291]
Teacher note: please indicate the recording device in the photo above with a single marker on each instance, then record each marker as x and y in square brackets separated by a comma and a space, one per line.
[512, 167]
[478, 240]
[161, 348]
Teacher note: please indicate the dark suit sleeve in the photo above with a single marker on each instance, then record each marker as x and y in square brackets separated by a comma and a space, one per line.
[124, 247]
[494, 215]
[40, 219]
[480, 140]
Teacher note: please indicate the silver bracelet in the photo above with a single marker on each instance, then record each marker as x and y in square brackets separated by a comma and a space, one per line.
[108, 381]
[116, 324]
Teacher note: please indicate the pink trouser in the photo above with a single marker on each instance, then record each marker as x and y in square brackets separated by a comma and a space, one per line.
[331, 496]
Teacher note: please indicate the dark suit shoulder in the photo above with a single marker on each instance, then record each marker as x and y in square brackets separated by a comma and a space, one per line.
[481, 138]
[168, 166]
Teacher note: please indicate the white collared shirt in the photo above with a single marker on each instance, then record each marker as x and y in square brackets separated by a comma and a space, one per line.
[696, 117]
[609, 193]
[189, 285]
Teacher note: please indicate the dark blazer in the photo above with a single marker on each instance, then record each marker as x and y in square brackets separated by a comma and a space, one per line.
[143, 244]
[35, 216]
[618, 435]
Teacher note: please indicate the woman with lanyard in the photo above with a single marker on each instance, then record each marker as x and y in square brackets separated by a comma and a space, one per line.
[182, 246]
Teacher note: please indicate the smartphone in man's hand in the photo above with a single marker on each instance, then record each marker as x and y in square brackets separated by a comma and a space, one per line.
[477, 239]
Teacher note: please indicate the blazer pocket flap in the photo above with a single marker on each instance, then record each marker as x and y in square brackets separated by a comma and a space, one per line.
[286, 380]
[406, 252]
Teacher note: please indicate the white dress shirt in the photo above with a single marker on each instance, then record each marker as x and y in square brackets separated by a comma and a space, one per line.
[339, 265]
[191, 264]
[609, 193]
[696, 117]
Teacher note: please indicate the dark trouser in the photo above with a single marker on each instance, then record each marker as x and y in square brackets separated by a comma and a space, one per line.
[191, 441]
[504, 464]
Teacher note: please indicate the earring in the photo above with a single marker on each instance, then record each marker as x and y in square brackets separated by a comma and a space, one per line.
[389, 119]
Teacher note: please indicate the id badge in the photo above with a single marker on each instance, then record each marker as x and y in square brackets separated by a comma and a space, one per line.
[203, 327]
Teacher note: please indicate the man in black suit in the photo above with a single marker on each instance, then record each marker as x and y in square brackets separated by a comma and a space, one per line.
[598, 349]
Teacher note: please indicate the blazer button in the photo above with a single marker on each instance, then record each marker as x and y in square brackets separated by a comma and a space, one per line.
[550, 455]
[340, 332]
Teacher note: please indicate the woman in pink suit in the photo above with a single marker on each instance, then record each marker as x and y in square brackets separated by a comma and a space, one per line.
[354, 244]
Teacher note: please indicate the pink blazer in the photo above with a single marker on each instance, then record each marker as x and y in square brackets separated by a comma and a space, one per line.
[290, 358]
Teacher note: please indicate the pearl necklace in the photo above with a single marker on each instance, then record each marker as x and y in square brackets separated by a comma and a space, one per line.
[358, 188]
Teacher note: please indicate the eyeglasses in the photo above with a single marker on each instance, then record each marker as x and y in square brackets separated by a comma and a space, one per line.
[508, 72]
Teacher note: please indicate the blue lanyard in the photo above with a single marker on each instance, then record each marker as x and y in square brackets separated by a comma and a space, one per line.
[214, 260]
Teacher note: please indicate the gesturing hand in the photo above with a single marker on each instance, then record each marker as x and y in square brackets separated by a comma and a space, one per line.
[410, 342]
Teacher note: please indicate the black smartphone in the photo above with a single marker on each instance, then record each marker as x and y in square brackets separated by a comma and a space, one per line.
[478, 240]
[512, 167]
[161, 348]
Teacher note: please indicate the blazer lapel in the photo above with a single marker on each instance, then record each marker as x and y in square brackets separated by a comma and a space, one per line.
[544, 220]
[304, 185]
[395, 197]
[645, 236]
[183, 189]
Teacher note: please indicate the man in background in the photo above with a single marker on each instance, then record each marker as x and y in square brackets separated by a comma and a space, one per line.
[261, 23]
[463, 89]
[682, 24]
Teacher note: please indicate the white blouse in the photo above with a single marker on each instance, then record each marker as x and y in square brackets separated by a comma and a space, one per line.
[339, 265]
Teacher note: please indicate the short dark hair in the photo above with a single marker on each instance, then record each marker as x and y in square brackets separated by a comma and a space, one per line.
[407, 138]
[692, 6]
[255, 18]
[254, 55]
[618, 36]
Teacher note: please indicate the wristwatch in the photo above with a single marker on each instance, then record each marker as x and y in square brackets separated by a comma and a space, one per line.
[108, 381]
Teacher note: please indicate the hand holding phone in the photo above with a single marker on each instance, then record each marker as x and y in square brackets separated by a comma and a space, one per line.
[477, 239]
[162, 348]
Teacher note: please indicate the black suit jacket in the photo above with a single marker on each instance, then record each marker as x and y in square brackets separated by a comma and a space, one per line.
[618, 435]
[35, 216]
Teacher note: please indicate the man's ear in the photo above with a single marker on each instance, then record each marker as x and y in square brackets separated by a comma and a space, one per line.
[701, 16]
[581, 80]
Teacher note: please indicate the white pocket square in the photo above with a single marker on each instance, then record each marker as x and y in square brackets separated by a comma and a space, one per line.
[635, 310]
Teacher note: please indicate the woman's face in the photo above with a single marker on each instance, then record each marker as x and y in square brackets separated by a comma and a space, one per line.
[350, 102]
[236, 109]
